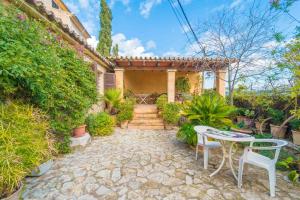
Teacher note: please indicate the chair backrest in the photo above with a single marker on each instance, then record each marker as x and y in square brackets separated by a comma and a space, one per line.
[202, 129]
[277, 147]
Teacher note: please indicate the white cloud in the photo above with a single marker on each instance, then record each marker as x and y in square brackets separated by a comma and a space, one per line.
[124, 2]
[130, 47]
[186, 28]
[73, 7]
[146, 7]
[150, 45]
[84, 3]
[235, 3]
[90, 26]
[171, 53]
[93, 41]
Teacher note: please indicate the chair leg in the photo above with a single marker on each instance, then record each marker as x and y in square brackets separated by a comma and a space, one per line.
[272, 181]
[206, 154]
[240, 175]
[197, 152]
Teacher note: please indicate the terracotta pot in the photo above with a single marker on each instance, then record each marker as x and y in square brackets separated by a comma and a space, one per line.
[276, 132]
[42, 169]
[258, 124]
[247, 121]
[79, 131]
[296, 139]
[124, 124]
[16, 195]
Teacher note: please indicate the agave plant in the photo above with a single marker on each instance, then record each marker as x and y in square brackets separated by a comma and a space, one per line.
[209, 109]
[112, 98]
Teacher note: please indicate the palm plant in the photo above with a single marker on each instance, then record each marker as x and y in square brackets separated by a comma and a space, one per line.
[209, 109]
[112, 98]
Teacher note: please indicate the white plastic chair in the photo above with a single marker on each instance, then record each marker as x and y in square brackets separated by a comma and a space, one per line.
[262, 161]
[203, 141]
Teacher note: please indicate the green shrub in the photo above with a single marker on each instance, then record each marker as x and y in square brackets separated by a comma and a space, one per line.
[170, 113]
[187, 134]
[182, 84]
[100, 124]
[277, 116]
[125, 110]
[112, 98]
[161, 101]
[209, 109]
[24, 143]
[295, 124]
[39, 68]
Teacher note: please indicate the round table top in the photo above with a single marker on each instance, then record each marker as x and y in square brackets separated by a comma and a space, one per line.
[229, 136]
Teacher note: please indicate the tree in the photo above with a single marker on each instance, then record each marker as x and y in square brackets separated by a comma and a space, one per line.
[105, 41]
[242, 33]
[115, 50]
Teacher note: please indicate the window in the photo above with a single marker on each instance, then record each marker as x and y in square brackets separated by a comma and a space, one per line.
[54, 5]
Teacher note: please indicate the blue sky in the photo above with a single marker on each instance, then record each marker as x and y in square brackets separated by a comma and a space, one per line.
[149, 27]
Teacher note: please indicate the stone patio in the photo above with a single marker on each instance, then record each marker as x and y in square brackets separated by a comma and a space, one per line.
[133, 164]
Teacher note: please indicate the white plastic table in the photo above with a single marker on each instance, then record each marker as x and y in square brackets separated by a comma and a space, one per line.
[225, 137]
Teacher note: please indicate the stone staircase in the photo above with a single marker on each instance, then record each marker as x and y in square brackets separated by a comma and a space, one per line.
[146, 118]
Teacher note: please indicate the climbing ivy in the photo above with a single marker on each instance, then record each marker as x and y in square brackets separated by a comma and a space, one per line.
[39, 68]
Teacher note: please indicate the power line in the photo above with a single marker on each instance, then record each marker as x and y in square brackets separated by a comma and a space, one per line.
[178, 16]
[190, 27]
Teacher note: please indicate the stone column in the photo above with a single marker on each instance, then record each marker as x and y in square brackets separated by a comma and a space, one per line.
[119, 73]
[171, 84]
[201, 80]
[220, 81]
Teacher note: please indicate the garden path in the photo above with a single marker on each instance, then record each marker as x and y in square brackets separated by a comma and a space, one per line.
[134, 164]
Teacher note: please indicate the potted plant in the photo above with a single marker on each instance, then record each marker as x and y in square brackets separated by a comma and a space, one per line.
[112, 98]
[246, 116]
[171, 115]
[125, 113]
[295, 125]
[277, 118]
[79, 131]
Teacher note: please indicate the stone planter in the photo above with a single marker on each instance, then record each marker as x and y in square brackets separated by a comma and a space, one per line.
[16, 195]
[42, 169]
[258, 124]
[124, 124]
[247, 121]
[79, 131]
[277, 132]
[296, 140]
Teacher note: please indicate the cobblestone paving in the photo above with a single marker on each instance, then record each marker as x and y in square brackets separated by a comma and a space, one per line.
[134, 164]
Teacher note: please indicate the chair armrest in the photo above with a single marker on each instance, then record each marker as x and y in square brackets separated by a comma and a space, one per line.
[279, 144]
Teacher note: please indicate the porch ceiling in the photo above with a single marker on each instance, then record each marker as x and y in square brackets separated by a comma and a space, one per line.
[164, 63]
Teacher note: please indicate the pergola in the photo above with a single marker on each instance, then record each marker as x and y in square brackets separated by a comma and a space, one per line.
[172, 65]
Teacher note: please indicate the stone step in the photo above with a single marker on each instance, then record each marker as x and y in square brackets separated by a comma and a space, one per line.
[145, 115]
[146, 120]
[147, 123]
[146, 127]
[145, 109]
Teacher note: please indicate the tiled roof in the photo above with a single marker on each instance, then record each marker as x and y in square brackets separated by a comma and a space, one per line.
[39, 6]
[164, 63]
[155, 58]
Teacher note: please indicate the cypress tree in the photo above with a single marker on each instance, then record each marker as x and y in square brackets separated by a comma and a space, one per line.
[105, 41]
[115, 50]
